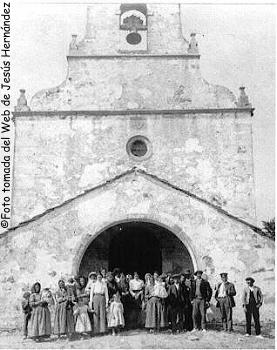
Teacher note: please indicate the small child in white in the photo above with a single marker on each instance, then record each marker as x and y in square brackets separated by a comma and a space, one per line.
[83, 325]
[115, 315]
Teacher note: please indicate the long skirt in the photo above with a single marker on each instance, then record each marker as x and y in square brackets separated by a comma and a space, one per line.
[64, 319]
[40, 322]
[155, 313]
[127, 305]
[83, 324]
[99, 317]
[135, 315]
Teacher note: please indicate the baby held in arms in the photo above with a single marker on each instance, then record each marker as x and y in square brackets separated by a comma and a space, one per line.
[159, 288]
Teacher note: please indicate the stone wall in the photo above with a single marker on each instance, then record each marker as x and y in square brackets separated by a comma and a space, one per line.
[58, 157]
[108, 83]
[52, 246]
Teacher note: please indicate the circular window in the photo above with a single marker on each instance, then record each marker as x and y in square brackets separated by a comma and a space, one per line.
[139, 147]
[133, 38]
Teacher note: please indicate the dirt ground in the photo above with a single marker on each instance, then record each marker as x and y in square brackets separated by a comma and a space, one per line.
[140, 339]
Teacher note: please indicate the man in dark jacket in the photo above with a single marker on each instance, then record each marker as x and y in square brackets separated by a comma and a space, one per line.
[175, 301]
[224, 295]
[201, 293]
[252, 300]
[187, 311]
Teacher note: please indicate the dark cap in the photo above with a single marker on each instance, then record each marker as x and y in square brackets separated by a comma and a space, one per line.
[198, 271]
[176, 276]
[223, 274]
[187, 272]
[250, 279]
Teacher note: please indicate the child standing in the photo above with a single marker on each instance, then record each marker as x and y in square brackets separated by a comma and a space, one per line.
[83, 324]
[27, 311]
[115, 316]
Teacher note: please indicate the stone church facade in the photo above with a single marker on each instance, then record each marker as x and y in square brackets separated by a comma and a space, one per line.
[135, 161]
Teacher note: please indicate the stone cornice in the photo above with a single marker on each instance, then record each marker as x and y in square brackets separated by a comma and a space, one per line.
[135, 55]
[165, 112]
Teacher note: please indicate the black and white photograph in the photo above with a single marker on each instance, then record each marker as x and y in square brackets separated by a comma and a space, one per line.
[137, 175]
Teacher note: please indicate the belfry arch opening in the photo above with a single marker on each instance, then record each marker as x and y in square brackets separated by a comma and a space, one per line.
[136, 246]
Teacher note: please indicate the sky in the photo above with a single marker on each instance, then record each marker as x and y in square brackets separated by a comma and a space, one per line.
[237, 47]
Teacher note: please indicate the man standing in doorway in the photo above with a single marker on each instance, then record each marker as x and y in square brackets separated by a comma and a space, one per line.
[224, 295]
[252, 300]
[201, 293]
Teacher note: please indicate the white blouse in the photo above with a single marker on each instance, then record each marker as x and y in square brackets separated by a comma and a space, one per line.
[136, 284]
[222, 291]
[88, 286]
[98, 288]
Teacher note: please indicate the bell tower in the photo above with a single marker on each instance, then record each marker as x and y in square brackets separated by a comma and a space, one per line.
[133, 28]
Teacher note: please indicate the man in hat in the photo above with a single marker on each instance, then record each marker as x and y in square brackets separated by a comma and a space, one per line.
[252, 300]
[175, 301]
[224, 295]
[201, 293]
[187, 312]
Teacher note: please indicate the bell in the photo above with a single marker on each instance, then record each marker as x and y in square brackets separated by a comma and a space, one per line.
[133, 38]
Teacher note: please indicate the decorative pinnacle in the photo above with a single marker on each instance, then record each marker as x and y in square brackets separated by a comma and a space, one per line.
[193, 45]
[73, 45]
[22, 105]
[243, 100]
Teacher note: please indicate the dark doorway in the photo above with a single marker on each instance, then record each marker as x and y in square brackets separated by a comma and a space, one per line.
[134, 248]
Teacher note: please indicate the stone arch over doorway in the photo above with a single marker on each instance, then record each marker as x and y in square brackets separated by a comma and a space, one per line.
[181, 242]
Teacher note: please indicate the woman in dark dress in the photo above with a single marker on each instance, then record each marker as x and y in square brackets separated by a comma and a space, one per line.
[136, 288]
[64, 320]
[40, 322]
[82, 293]
[111, 285]
[123, 288]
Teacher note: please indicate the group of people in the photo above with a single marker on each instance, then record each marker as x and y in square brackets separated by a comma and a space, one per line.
[113, 301]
